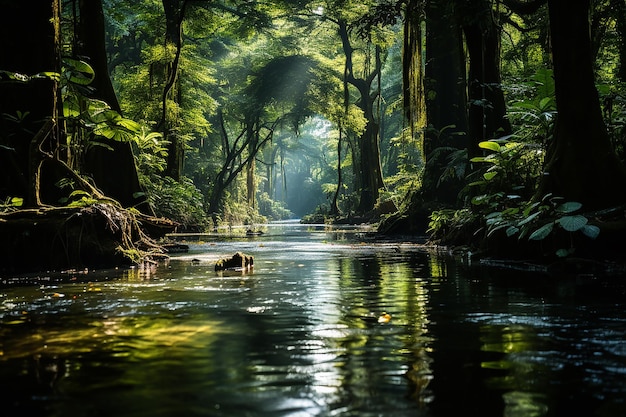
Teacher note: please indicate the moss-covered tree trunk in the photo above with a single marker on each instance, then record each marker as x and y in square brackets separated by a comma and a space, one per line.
[580, 163]
[174, 15]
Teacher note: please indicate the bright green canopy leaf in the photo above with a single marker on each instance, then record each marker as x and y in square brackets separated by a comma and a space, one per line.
[489, 175]
[492, 146]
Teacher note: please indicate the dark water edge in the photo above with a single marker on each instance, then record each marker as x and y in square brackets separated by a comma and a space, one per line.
[307, 334]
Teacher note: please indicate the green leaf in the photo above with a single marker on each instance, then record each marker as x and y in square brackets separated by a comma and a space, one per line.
[511, 231]
[511, 211]
[562, 253]
[479, 199]
[55, 76]
[572, 223]
[530, 208]
[495, 229]
[129, 124]
[529, 219]
[542, 232]
[79, 72]
[546, 103]
[71, 108]
[590, 231]
[492, 146]
[568, 207]
[489, 175]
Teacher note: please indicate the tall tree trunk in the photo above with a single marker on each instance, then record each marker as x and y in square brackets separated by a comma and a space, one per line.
[253, 141]
[112, 169]
[369, 148]
[487, 108]
[414, 99]
[580, 163]
[334, 206]
[174, 15]
[444, 84]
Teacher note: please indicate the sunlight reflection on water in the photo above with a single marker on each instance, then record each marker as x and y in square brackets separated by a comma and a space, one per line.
[327, 323]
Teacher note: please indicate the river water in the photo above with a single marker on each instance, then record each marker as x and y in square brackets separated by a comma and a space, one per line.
[329, 323]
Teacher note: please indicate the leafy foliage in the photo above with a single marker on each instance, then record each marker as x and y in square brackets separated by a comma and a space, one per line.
[181, 202]
[538, 220]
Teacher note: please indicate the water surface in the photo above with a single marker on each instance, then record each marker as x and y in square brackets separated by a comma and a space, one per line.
[329, 323]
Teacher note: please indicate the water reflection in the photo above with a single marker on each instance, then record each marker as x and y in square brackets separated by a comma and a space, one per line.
[328, 323]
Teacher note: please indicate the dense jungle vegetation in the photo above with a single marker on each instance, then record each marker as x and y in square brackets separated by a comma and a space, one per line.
[498, 124]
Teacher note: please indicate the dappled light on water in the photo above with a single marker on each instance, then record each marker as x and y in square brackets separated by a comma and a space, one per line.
[327, 323]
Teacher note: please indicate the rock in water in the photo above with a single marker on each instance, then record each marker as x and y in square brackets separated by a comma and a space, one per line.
[239, 261]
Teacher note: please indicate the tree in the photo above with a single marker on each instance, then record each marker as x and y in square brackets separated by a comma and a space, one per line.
[369, 147]
[487, 109]
[581, 165]
[174, 16]
[446, 118]
[121, 183]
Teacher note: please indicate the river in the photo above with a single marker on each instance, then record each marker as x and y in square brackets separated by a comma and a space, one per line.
[330, 322]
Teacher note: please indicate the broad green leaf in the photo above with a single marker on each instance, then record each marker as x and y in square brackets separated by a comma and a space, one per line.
[71, 108]
[546, 103]
[542, 232]
[114, 133]
[489, 175]
[79, 72]
[511, 231]
[129, 124]
[573, 223]
[492, 146]
[568, 207]
[590, 231]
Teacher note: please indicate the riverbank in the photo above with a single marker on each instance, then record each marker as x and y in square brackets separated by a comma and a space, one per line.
[93, 237]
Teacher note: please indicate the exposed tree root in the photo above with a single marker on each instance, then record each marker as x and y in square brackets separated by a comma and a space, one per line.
[94, 236]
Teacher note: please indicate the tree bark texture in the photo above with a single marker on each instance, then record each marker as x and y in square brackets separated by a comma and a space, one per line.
[113, 170]
[580, 163]
[487, 108]
[446, 100]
